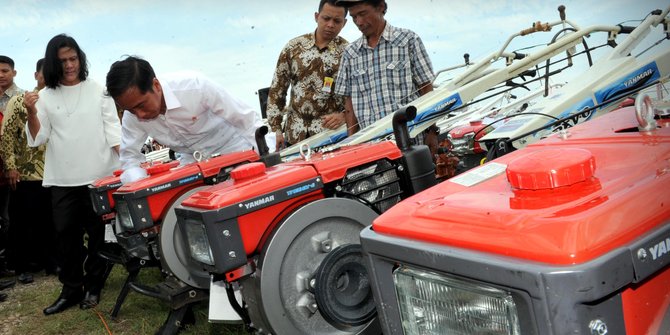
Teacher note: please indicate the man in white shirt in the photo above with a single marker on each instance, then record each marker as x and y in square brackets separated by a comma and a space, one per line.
[185, 111]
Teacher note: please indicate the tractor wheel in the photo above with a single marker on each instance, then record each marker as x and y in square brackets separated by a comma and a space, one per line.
[318, 244]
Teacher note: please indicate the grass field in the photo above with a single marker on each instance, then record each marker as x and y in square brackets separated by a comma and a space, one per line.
[22, 312]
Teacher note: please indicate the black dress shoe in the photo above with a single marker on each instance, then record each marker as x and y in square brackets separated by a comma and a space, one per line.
[90, 300]
[3, 297]
[61, 304]
[6, 283]
[6, 273]
[25, 278]
[51, 270]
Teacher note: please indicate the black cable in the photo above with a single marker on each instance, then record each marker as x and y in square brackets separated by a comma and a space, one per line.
[584, 111]
[242, 312]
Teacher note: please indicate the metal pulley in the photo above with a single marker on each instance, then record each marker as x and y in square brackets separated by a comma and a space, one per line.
[342, 289]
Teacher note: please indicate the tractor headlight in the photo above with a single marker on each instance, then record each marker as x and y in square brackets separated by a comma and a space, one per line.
[198, 243]
[432, 303]
[123, 215]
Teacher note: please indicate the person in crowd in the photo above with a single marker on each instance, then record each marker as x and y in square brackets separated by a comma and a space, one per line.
[184, 111]
[32, 229]
[309, 64]
[8, 90]
[81, 130]
[384, 69]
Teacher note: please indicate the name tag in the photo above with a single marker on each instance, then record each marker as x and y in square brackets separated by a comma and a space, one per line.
[327, 84]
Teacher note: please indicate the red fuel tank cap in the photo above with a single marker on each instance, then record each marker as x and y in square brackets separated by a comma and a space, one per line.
[551, 168]
[248, 171]
[161, 167]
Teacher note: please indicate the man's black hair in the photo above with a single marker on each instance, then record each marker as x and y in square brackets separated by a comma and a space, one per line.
[130, 72]
[7, 60]
[332, 2]
[373, 3]
[39, 65]
[53, 66]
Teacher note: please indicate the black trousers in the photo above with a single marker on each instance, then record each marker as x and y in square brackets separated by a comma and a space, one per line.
[5, 247]
[31, 230]
[81, 265]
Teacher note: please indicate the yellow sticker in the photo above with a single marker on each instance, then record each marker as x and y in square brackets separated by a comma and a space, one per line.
[327, 84]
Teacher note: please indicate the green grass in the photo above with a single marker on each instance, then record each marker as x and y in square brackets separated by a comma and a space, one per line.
[22, 312]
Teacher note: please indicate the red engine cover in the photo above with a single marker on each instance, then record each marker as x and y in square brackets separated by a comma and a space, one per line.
[329, 166]
[166, 184]
[613, 191]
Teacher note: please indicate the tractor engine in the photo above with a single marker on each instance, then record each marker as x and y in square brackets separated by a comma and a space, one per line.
[288, 235]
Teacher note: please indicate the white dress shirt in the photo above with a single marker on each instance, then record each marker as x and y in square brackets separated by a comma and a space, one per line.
[79, 126]
[201, 116]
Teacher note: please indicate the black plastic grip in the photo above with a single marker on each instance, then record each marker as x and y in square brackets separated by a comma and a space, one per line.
[625, 29]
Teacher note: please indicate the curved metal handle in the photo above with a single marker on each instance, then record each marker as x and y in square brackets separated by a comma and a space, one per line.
[644, 111]
[305, 151]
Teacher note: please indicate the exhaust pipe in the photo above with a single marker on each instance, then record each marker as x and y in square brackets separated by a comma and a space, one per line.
[400, 119]
[419, 168]
[263, 149]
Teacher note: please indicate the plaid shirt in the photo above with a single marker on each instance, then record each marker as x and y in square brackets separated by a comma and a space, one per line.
[303, 67]
[381, 80]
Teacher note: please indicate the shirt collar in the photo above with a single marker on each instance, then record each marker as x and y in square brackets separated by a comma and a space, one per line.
[171, 101]
[310, 42]
[388, 34]
[12, 90]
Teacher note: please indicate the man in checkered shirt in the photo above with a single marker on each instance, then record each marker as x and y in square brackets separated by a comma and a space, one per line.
[381, 71]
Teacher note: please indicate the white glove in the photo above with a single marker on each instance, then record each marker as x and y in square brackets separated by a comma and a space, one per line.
[133, 174]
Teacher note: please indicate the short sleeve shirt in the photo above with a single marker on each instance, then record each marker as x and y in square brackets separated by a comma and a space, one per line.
[382, 79]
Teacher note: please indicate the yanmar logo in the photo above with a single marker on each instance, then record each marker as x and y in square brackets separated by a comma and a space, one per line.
[446, 105]
[259, 202]
[632, 81]
[660, 249]
[161, 187]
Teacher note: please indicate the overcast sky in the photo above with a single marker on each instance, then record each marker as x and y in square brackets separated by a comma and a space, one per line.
[236, 43]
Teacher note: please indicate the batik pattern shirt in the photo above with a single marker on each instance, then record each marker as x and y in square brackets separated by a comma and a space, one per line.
[382, 79]
[14, 150]
[310, 72]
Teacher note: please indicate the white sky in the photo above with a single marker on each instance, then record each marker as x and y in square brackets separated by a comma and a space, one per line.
[237, 42]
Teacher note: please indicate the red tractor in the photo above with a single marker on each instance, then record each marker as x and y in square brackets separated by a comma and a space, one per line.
[569, 235]
[144, 224]
[288, 236]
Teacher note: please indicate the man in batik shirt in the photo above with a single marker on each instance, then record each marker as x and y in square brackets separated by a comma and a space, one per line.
[309, 65]
[32, 231]
[8, 89]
